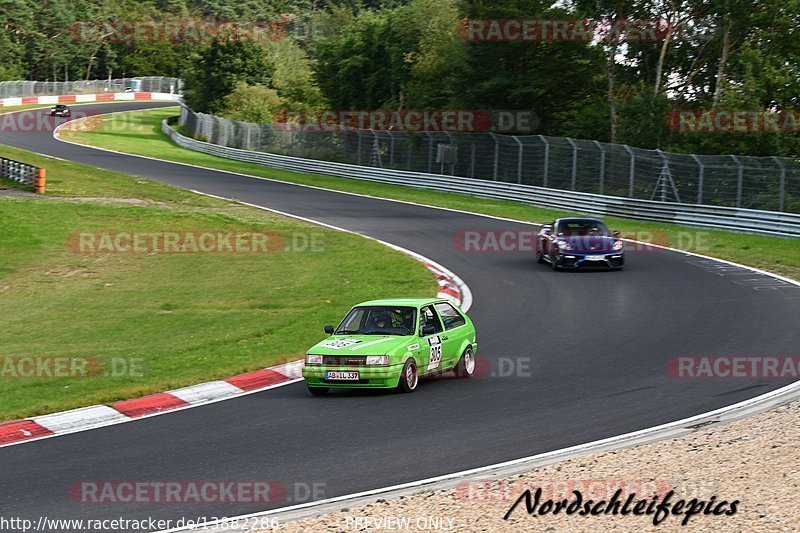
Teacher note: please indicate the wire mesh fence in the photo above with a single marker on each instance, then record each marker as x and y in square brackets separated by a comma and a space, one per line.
[149, 84]
[767, 183]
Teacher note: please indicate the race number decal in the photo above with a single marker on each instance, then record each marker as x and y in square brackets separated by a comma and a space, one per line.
[338, 344]
[436, 352]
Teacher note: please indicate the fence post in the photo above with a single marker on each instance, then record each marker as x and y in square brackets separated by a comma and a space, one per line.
[782, 185]
[519, 158]
[602, 165]
[496, 155]
[430, 153]
[41, 181]
[662, 182]
[700, 178]
[452, 165]
[739, 181]
[546, 158]
[358, 149]
[472, 160]
[631, 170]
[574, 162]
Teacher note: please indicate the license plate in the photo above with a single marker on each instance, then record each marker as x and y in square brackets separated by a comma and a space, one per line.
[342, 376]
[595, 258]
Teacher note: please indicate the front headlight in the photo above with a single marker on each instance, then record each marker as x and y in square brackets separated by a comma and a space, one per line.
[377, 360]
[564, 245]
[313, 359]
[618, 245]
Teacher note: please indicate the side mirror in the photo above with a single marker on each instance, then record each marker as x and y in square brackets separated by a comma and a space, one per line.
[329, 330]
[615, 233]
[428, 329]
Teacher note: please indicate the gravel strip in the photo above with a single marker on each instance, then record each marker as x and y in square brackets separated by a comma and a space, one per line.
[755, 461]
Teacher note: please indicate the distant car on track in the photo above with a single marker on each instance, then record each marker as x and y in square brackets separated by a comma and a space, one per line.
[576, 243]
[386, 344]
[60, 110]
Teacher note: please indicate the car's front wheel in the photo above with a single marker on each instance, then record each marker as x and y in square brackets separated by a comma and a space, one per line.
[466, 365]
[318, 391]
[554, 261]
[539, 256]
[409, 378]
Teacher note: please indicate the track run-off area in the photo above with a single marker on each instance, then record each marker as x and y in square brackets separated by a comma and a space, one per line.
[595, 347]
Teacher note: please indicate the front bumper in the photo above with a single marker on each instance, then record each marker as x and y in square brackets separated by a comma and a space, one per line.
[370, 377]
[576, 260]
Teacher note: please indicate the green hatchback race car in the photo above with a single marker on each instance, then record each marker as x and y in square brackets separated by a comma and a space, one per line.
[386, 344]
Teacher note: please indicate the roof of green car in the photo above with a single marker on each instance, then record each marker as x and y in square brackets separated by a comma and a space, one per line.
[410, 302]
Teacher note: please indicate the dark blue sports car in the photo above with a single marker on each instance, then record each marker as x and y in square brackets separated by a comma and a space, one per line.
[579, 243]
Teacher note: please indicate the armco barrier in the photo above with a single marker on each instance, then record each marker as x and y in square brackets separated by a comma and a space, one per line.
[86, 98]
[729, 218]
[19, 172]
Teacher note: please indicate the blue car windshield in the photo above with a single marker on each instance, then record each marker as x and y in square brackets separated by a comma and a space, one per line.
[583, 227]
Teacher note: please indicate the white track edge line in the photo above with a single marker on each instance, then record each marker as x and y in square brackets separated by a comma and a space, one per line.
[130, 419]
[466, 296]
[585, 448]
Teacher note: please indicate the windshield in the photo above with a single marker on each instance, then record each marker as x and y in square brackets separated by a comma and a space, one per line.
[378, 320]
[583, 227]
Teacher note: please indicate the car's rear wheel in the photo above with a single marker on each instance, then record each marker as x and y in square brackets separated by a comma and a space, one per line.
[539, 256]
[466, 365]
[318, 391]
[409, 378]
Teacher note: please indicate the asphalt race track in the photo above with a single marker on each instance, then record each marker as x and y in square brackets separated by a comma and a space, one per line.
[598, 344]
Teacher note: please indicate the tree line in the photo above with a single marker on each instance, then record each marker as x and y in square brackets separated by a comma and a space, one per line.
[396, 55]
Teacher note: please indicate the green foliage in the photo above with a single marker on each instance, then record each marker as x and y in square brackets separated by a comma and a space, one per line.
[218, 67]
[252, 103]
[390, 54]
[293, 77]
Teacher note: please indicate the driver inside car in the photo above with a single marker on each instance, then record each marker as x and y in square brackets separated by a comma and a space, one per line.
[379, 324]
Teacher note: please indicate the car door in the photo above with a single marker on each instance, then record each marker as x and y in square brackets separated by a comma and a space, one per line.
[431, 349]
[453, 335]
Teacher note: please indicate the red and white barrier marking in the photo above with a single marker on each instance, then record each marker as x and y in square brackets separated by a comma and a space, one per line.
[85, 98]
[16, 431]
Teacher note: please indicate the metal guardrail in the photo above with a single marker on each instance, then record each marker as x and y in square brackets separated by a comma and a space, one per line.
[579, 165]
[146, 84]
[727, 218]
[19, 172]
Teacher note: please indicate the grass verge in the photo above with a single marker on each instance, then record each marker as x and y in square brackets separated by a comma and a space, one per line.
[166, 319]
[140, 133]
